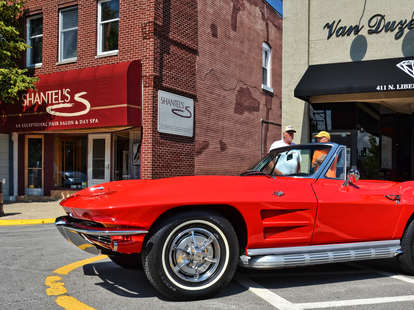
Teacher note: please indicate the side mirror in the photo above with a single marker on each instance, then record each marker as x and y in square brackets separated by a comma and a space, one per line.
[352, 177]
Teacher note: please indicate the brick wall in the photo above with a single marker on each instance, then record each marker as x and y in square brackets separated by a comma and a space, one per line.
[208, 50]
[136, 41]
[176, 44]
[231, 101]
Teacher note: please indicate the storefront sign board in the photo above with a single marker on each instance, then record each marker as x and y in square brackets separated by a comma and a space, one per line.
[175, 114]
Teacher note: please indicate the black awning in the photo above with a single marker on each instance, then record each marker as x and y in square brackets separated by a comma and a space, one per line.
[395, 74]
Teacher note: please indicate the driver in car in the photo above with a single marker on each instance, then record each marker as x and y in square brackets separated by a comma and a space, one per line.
[288, 163]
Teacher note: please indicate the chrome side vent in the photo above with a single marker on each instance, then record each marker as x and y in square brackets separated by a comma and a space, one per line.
[320, 254]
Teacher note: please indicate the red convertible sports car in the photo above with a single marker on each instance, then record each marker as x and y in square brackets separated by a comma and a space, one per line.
[298, 206]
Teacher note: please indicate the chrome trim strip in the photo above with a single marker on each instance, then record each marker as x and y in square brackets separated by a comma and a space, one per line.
[94, 232]
[322, 248]
[320, 254]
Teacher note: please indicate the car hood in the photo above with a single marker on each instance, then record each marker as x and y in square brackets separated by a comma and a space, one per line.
[106, 201]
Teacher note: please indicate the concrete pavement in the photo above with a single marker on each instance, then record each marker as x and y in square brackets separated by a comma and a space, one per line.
[17, 212]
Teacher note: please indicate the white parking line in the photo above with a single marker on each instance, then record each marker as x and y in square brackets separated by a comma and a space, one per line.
[353, 302]
[284, 304]
[267, 295]
[396, 276]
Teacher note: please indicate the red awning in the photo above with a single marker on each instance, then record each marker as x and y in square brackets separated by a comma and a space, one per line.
[96, 97]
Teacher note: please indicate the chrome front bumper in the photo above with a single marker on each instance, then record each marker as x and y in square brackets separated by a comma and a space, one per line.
[92, 239]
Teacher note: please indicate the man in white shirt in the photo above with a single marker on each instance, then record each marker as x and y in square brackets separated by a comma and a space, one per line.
[287, 139]
[288, 162]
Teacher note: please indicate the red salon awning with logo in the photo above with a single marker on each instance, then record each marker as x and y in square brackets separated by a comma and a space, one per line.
[96, 97]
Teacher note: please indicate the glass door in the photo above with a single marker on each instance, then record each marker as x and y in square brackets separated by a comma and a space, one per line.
[34, 165]
[98, 158]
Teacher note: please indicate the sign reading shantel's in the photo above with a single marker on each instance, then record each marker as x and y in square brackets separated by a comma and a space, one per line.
[377, 23]
[94, 97]
[175, 114]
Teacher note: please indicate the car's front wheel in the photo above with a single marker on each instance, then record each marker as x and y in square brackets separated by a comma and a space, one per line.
[191, 255]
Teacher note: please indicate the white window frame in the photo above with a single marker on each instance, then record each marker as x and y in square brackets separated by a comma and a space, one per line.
[100, 26]
[60, 50]
[29, 40]
[268, 66]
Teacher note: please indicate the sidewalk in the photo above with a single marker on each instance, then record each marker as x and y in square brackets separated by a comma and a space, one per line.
[32, 210]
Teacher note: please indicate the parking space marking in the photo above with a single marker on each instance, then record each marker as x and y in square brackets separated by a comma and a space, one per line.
[354, 302]
[284, 304]
[56, 287]
[71, 303]
[68, 268]
[394, 276]
[391, 275]
[267, 295]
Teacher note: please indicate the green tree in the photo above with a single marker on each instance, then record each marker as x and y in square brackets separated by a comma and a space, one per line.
[13, 80]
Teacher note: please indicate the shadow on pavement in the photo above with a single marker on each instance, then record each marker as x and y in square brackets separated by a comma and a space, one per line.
[11, 213]
[134, 284]
[321, 274]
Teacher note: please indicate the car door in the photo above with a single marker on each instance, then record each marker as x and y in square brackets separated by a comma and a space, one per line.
[356, 212]
[290, 219]
[283, 213]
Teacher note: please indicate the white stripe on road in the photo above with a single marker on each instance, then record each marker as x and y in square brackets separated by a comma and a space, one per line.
[267, 295]
[385, 273]
[283, 304]
[395, 276]
[353, 302]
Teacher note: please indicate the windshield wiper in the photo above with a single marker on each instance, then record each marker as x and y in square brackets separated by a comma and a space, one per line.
[253, 172]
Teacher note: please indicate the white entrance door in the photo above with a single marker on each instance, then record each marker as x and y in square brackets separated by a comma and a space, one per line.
[99, 146]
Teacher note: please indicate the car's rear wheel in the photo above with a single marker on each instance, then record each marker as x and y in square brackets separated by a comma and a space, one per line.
[191, 255]
[406, 259]
[127, 261]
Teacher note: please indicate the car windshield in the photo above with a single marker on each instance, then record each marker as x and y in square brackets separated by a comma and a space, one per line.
[297, 160]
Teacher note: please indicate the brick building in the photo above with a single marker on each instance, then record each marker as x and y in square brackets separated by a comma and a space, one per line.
[143, 89]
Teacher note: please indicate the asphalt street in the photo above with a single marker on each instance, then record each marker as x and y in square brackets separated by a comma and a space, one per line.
[30, 256]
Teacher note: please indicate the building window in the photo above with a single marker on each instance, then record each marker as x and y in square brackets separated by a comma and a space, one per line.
[70, 161]
[34, 28]
[34, 162]
[108, 26]
[266, 68]
[68, 34]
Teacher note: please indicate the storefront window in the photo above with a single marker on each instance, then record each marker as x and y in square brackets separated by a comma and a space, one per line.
[34, 163]
[126, 161]
[70, 162]
[98, 159]
[321, 119]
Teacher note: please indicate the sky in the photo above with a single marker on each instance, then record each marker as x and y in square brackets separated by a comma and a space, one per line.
[278, 5]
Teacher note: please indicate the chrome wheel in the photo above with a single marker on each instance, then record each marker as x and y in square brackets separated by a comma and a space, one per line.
[194, 254]
[191, 255]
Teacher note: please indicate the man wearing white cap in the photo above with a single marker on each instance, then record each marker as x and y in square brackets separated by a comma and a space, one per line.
[287, 139]
[288, 163]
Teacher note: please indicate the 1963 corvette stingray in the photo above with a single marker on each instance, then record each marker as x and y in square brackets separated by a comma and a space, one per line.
[298, 206]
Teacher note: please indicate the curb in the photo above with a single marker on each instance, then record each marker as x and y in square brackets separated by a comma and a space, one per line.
[26, 222]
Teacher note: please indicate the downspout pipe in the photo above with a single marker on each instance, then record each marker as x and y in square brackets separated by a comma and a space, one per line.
[262, 121]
